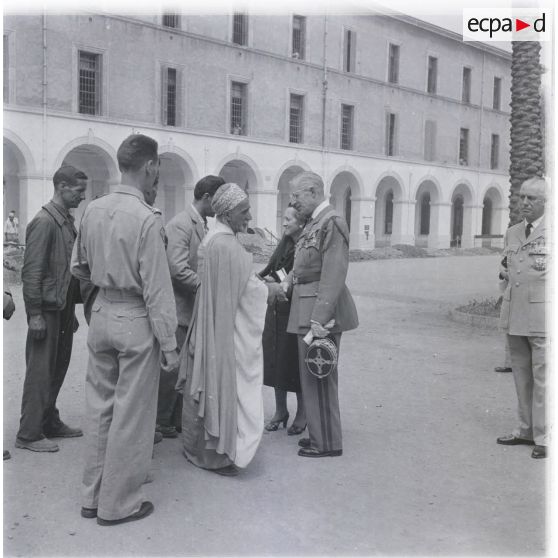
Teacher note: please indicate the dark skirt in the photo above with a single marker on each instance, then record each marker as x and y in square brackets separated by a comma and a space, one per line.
[280, 349]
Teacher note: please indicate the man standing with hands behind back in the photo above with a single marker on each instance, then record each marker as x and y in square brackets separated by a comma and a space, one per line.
[523, 316]
[121, 250]
[319, 295]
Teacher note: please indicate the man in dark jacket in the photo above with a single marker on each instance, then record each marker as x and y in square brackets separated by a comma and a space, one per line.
[50, 294]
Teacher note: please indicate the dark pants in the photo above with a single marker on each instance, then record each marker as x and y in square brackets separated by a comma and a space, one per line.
[169, 403]
[321, 403]
[47, 362]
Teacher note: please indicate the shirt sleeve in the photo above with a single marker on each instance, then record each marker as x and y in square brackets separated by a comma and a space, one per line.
[79, 265]
[156, 283]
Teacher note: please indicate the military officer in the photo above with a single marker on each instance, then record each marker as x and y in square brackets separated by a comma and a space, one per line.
[121, 251]
[522, 316]
[320, 298]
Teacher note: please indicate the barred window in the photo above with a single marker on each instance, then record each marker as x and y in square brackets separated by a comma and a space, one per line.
[429, 140]
[89, 82]
[349, 51]
[494, 151]
[466, 86]
[240, 29]
[238, 108]
[170, 100]
[347, 126]
[171, 20]
[432, 80]
[496, 97]
[464, 146]
[299, 37]
[390, 134]
[296, 119]
[393, 64]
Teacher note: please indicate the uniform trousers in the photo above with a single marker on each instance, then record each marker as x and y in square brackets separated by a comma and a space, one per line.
[121, 404]
[47, 362]
[529, 373]
[321, 403]
[169, 403]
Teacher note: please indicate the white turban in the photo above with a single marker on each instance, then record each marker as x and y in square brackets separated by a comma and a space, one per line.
[227, 197]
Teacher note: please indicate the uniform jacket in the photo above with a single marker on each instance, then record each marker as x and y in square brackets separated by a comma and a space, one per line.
[185, 232]
[524, 300]
[318, 277]
[46, 276]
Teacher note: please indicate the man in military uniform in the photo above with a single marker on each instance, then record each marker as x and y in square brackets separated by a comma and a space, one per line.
[121, 250]
[322, 304]
[185, 232]
[523, 316]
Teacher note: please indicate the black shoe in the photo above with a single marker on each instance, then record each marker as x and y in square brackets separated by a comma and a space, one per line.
[539, 452]
[7, 455]
[228, 471]
[502, 369]
[304, 442]
[512, 440]
[313, 452]
[89, 513]
[167, 431]
[146, 509]
[294, 430]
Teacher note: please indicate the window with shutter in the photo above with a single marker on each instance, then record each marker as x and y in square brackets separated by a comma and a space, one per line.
[299, 37]
[347, 126]
[393, 64]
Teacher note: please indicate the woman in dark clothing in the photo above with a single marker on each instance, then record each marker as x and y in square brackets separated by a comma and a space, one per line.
[280, 348]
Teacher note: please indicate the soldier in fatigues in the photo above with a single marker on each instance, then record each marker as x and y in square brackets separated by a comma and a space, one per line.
[121, 250]
[523, 316]
[319, 295]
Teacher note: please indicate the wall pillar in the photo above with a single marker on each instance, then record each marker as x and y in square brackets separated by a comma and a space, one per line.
[362, 224]
[403, 231]
[472, 223]
[440, 222]
[263, 207]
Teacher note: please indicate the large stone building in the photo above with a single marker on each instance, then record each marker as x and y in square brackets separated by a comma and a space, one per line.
[408, 125]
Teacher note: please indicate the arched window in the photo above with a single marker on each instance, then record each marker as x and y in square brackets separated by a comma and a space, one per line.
[425, 214]
[388, 223]
[486, 216]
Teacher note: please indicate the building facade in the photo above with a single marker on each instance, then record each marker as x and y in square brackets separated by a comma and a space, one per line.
[408, 125]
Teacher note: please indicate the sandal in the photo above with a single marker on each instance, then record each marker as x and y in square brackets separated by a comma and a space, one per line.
[273, 425]
[295, 430]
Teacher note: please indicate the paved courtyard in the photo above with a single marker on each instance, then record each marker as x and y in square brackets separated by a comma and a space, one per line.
[421, 473]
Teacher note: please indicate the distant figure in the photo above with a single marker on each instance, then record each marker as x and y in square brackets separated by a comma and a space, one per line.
[185, 232]
[121, 251]
[523, 316]
[281, 348]
[11, 228]
[50, 294]
[221, 364]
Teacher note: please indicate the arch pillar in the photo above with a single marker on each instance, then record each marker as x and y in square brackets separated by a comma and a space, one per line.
[263, 207]
[403, 222]
[474, 215]
[440, 220]
[362, 223]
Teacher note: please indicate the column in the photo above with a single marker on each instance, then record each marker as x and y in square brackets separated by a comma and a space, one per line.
[472, 224]
[403, 231]
[440, 221]
[263, 207]
[362, 224]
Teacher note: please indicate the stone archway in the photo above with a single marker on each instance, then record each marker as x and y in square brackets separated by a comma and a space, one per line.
[243, 174]
[387, 214]
[176, 183]
[426, 219]
[14, 198]
[284, 194]
[461, 217]
[494, 212]
[100, 168]
[344, 189]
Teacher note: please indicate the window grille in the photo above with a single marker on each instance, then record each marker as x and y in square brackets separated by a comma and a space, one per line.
[390, 134]
[89, 82]
[494, 151]
[171, 20]
[496, 98]
[393, 64]
[347, 126]
[464, 146]
[299, 37]
[349, 51]
[238, 108]
[171, 97]
[240, 29]
[296, 118]
[432, 81]
[466, 88]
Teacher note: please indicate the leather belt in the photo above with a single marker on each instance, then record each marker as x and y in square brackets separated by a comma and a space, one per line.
[306, 278]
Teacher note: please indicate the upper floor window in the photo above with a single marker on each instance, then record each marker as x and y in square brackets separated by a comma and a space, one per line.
[429, 140]
[347, 112]
[393, 64]
[296, 118]
[494, 151]
[170, 96]
[390, 133]
[238, 108]
[171, 20]
[497, 93]
[349, 51]
[89, 83]
[432, 78]
[466, 85]
[240, 29]
[463, 146]
[299, 37]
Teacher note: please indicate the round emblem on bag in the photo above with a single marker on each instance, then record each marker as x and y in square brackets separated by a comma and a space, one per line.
[321, 357]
